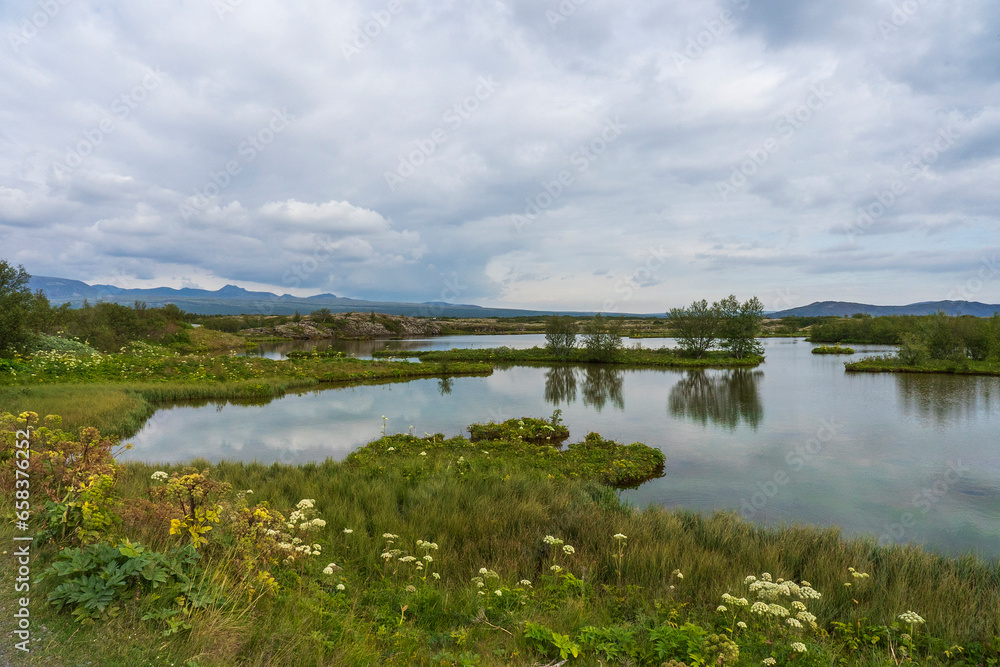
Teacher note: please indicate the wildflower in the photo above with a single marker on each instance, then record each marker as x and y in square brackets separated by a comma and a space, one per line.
[435, 575]
[553, 541]
[423, 453]
[759, 608]
[741, 625]
[678, 574]
[766, 576]
[619, 536]
[305, 503]
[389, 536]
[567, 549]
[420, 566]
[742, 602]
[798, 606]
[777, 610]
[798, 646]
[770, 661]
[807, 592]
[749, 580]
[348, 531]
[411, 589]
[391, 449]
[498, 593]
[721, 608]
[159, 476]
[555, 568]
[794, 622]
[341, 587]
[911, 617]
[249, 492]
[407, 559]
[327, 570]
[524, 582]
[483, 570]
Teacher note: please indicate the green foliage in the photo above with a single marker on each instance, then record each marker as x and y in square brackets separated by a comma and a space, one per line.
[15, 305]
[602, 339]
[669, 642]
[549, 642]
[735, 325]
[92, 580]
[560, 335]
[832, 349]
[528, 429]
[740, 325]
[696, 327]
[196, 494]
[87, 514]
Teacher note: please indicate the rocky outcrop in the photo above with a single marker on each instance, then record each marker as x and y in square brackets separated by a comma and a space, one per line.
[350, 325]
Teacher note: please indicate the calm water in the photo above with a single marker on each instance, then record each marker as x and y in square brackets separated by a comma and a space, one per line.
[904, 458]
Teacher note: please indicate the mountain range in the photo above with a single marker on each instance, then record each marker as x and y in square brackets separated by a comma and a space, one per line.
[847, 308]
[234, 300]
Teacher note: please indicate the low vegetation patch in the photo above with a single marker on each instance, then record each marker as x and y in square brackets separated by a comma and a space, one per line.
[636, 357]
[832, 349]
[893, 364]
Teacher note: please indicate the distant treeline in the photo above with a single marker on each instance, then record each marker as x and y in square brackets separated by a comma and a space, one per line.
[931, 336]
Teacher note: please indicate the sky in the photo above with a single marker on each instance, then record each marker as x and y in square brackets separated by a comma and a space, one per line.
[580, 155]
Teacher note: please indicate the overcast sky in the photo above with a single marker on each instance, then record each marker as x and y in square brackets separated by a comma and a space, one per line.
[588, 154]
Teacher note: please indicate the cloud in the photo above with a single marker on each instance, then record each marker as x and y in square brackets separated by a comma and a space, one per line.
[187, 145]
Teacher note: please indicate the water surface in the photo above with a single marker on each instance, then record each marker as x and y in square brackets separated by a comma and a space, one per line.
[908, 458]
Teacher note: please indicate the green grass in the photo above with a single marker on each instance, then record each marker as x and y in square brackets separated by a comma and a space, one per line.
[632, 357]
[892, 364]
[832, 349]
[491, 504]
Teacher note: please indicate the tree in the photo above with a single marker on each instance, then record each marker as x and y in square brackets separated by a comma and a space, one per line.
[740, 325]
[602, 338]
[560, 335]
[696, 327]
[15, 305]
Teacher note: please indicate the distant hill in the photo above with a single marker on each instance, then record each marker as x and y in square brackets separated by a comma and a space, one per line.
[234, 300]
[847, 308]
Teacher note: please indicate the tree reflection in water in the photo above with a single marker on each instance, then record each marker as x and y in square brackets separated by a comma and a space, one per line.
[444, 385]
[560, 385]
[601, 385]
[947, 398]
[725, 398]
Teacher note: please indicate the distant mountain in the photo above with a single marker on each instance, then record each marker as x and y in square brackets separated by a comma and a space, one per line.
[234, 300]
[847, 308]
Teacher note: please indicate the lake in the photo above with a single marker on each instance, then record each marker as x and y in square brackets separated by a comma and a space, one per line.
[903, 458]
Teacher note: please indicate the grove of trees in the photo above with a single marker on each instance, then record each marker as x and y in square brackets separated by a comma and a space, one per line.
[727, 324]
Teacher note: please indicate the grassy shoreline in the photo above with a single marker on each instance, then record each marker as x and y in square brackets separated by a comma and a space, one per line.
[943, 367]
[118, 393]
[629, 357]
[498, 510]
